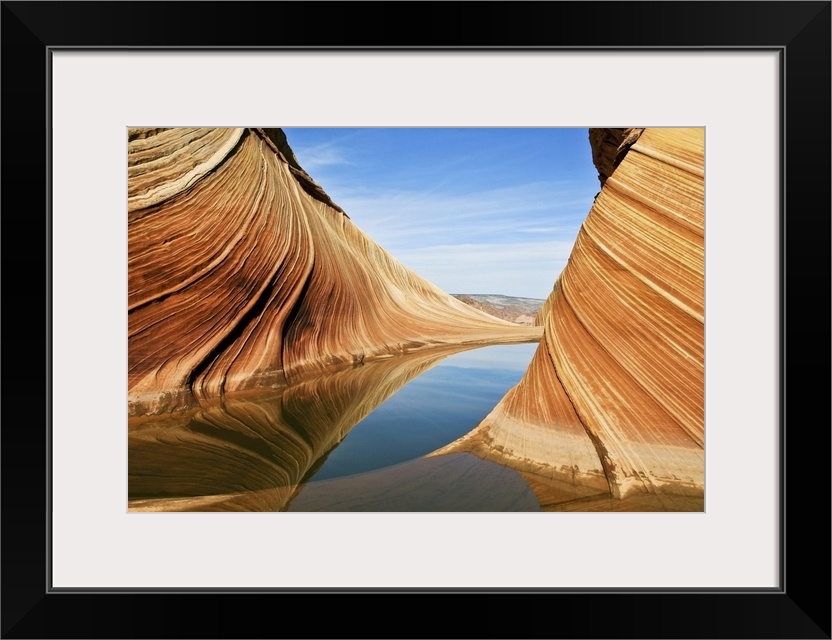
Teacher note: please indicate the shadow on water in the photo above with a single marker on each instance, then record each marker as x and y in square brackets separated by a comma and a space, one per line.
[253, 451]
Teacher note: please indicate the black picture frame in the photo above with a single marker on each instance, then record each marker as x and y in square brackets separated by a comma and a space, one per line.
[799, 31]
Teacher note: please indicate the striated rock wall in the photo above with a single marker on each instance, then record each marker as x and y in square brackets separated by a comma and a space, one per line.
[249, 450]
[243, 273]
[616, 389]
[609, 146]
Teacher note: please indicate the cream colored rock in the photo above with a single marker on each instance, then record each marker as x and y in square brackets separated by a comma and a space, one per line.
[243, 273]
[617, 386]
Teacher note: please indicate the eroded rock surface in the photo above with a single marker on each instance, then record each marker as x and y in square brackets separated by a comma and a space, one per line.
[250, 450]
[243, 273]
[613, 401]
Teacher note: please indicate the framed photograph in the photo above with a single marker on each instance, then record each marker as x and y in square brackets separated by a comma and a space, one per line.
[754, 76]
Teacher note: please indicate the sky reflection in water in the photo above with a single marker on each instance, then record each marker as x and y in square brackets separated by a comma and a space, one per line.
[432, 410]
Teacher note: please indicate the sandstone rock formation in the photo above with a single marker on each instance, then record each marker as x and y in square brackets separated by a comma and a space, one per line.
[609, 146]
[243, 273]
[249, 450]
[613, 402]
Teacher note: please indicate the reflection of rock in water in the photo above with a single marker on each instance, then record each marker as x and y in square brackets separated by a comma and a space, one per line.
[457, 482]
[248, 451]
[615, 394]
[243, 273]
[543, 438]
[612, 405]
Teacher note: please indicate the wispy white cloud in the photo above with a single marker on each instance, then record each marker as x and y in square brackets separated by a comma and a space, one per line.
[524, 269]
[398, 219]
[474, 211]
[322, 155]
[511, 241]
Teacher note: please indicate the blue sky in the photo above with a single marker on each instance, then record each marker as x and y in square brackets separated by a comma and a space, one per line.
[476, 210]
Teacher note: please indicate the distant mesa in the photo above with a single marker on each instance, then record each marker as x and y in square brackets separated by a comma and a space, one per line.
[522, 311]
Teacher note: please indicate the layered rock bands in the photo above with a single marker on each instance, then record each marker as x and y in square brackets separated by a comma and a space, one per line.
[242, 273]
[613, 401]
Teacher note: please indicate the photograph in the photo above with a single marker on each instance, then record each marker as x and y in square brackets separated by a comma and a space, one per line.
[416, 307]
[421, 319]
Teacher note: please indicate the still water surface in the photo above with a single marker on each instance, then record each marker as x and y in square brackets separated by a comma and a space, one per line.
[349, 439]
[430, 411]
